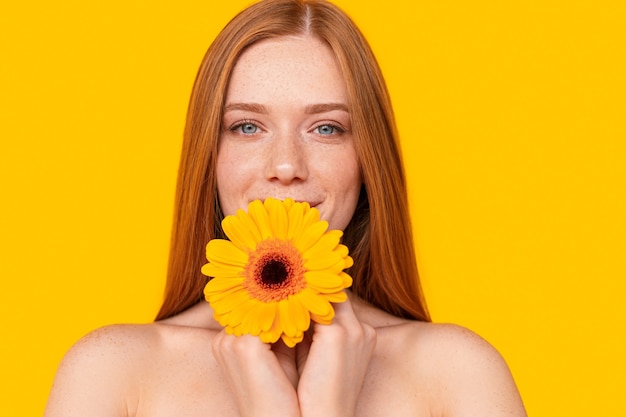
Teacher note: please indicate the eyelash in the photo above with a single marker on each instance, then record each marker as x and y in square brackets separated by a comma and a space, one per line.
[337, 129]
[238, 125]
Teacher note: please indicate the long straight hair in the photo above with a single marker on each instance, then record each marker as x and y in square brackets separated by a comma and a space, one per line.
[379, 235]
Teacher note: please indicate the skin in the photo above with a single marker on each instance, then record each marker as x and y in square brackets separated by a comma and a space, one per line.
[366, 363]
[287, 133]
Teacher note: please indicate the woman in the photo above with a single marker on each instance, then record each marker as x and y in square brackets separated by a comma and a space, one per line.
[290, 103]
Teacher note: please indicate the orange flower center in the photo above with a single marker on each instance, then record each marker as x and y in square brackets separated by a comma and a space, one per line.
[275, 270]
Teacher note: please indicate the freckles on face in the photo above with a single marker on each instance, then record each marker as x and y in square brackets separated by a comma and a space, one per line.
[287, 132]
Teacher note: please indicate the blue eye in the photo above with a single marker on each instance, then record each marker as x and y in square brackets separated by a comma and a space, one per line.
[247, 128]
[244, 128]
[328, 129]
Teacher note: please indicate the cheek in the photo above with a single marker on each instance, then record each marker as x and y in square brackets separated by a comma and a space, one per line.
[228, 175]
[347, 179]
[222, 172]
[348, 172]
[351, 182]
[237, 170]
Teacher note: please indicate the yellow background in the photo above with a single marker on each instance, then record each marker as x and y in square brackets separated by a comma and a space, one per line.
[512, 121]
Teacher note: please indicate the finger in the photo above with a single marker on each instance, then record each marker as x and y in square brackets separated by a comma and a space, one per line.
[344, 309]
[302, 350]
[346, 329]
[258, 379]
[344, 315]
[287, 358]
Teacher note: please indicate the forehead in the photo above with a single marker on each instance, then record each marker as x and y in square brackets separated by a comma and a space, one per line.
[287, 67]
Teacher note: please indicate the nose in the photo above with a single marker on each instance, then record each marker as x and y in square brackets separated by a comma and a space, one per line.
[286, 160]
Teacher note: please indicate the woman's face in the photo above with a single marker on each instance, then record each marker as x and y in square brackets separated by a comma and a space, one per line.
[287, 132]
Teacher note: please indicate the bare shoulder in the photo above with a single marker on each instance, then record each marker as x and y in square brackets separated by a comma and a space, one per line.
[116, 370]
[117, 339]
[450, 343]
[98, 375]
[470, 375]
[112, 346]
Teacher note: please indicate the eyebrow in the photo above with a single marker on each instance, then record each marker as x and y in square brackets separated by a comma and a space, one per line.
[310, 109]
[252, 107]
[324, 107]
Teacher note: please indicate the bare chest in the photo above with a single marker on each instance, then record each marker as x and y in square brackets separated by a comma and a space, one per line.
[180, 386]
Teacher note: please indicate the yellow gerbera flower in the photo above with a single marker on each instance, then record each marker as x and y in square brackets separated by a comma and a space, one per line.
[280, 269]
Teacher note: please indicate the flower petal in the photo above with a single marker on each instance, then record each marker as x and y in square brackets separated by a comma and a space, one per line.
[253, 321]
[236, 315]
[336, 297]
[299, 314]
[225, 252]
[311, 215]
[313, 302]
[347, 279]
[331, 260]
[226, 304]
[327, 243]
[217, 285]
[258, 214]
[296, 217]
[288, 203]
[268, 337]
[310, 235]
[288, 327]
[325, 319]
[292, 341]
[217, 296]
[348, 262]
[278, 219]
[324, 279]
[273, 334]
[267, 315]
[241, 230]
[221, 270]
[342, 250]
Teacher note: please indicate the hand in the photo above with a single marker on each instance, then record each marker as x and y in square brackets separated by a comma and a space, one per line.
[321, 376]
[333, 367]
[262, 378]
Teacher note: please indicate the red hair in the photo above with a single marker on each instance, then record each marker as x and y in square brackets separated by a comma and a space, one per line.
[379, 235]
